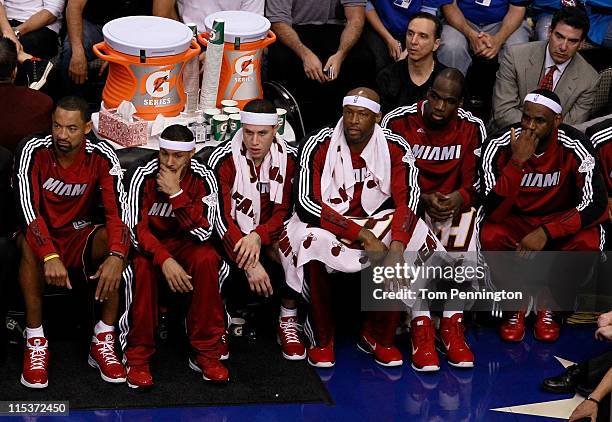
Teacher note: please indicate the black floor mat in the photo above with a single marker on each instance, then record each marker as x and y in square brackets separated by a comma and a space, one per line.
[258, 374]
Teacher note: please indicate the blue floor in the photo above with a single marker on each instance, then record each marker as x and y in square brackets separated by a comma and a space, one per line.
[504, 375]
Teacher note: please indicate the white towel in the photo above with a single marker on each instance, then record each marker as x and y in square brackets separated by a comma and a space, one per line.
[273, 172]
[338, 179]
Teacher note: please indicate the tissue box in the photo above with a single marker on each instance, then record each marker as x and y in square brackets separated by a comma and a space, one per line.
[114, 127]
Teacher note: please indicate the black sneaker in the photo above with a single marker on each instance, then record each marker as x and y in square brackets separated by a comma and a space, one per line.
[36, 71]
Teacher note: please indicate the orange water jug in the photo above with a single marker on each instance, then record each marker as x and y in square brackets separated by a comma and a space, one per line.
[147, 55]
[246, 35]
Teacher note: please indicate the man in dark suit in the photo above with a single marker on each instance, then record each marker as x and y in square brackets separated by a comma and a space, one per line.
[553, 65]
[23, 111]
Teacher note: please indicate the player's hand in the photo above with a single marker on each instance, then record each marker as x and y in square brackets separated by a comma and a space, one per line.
[313, 68]
[532, 242]
[334, 63]
[586, 409]
[247, 250]
[436, 207]
[259, 281]
[372, 245]
[452, 202]
[108, 276]
[524, 146]
[177, 278]
[56, 273]
[395, 259]
[168, 181]
[77, 69]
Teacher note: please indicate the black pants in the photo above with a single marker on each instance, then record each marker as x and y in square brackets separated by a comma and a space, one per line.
[320, 104]
[8, 283]
[42, 43]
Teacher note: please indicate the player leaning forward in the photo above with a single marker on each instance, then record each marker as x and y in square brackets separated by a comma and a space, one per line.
[59, 178]
[172, 202]
[355, 170]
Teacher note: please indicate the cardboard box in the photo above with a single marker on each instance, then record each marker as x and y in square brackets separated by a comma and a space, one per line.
[114, 127]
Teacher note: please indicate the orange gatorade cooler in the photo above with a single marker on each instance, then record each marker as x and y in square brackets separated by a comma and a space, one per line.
[147, 55]
[246, 35]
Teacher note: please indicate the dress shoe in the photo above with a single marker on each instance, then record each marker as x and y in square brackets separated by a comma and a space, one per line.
[565, 382]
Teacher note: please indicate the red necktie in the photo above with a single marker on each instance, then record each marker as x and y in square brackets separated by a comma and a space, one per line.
[547, 80]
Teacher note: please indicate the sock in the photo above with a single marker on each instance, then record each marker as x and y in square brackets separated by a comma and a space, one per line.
[34, 332]
[101, 327]
[416, 314]
[285, 312]
[449, 314]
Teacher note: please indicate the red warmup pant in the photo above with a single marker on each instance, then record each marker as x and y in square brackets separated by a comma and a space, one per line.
[506, 236]
[320, 322]
[205, 317]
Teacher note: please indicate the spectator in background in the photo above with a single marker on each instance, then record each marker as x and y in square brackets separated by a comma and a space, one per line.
[36, 24]
[484, 29]
[554, 65]
[23, 111]
[599, 12]
[387, 22]
[195, 11]
[84, 21]
[318, 53]
[405, 82]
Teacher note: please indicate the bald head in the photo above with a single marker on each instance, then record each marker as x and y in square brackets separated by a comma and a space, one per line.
[453, 79]
[368, 93]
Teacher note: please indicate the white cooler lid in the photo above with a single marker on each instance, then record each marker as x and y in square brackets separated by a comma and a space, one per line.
[155, 35]
[247, 26]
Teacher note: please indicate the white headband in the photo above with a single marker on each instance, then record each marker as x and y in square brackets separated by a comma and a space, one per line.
[176, 145]
[356, 100]
[263, 119]
[545, 101]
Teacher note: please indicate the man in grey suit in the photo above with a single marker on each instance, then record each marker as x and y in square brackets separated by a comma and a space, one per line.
[553, 65]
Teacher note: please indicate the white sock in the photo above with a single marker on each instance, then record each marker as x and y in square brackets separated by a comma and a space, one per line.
[416, 314]
[101, 327]
[450, 314]
[34, 332]
[285, 312]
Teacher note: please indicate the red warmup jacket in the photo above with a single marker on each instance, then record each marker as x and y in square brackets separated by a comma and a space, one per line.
[52, 198]
[445, 158]
[601, 137]
[272, 215]
[156, 219]
[564, 179]
[312, 210]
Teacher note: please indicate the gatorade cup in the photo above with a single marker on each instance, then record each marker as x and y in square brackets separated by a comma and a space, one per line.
[209, 113]
[231, 110]
[219, 127]
[233, 126]
[229, 103]
[282, 119]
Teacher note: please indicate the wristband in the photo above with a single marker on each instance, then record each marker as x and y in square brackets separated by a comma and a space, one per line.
[117, 254]
[50, 257]
[593, 400]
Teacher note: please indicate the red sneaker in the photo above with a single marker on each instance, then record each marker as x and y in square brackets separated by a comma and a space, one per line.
[545, 328]
[322, 357]
[211, 369]
[513, 329]
[453, 342]
[385, 356]
[139, 376]
[223, 347]
[35, 361]
[103, 357]
[424, 356]
[288, 336]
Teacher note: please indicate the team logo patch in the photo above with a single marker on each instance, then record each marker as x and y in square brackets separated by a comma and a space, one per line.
[587, 165]
[477, 152]
[210, 200]
[408, 157]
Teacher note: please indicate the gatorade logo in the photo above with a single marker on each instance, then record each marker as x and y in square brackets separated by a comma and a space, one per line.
[159, 83]
[245, 65]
